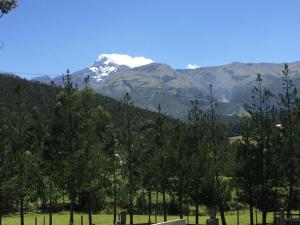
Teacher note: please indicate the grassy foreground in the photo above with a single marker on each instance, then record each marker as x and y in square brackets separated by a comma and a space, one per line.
[105, 219]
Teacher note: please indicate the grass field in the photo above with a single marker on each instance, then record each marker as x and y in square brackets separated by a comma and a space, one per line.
[104, 219]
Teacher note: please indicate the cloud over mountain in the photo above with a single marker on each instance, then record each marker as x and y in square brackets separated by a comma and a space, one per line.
[126, 60]
[192, 66]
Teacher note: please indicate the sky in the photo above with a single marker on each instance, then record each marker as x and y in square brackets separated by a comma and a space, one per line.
[49, 37]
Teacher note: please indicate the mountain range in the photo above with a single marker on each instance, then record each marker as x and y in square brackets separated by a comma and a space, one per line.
[151, 83]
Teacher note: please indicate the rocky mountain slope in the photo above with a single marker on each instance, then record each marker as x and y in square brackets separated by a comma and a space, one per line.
[153, 83]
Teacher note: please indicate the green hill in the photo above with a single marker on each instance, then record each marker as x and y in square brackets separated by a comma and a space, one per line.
[43, 96]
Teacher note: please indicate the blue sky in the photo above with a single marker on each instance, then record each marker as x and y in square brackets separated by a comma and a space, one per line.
[42, 36]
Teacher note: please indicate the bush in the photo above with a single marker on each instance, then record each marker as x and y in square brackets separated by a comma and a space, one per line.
[174, 207]
[141, 204]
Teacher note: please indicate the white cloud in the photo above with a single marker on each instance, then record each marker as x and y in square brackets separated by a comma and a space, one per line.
[192, 66]
[124, 60]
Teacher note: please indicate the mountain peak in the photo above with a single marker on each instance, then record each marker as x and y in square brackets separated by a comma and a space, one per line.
[126, 60]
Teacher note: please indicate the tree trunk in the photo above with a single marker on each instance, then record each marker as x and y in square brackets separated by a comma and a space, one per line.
[222, 213]
[90, 211]
[21, 193]
[131, 211]
[115, 194]
[197, 213]
[115, 206]
[290, 199]
[156, 208]
[72, 208]
[90, 216]
[0, 209]
[238, 214]
[264, 217]
[251, 214]
[163, 189]
[131, 206]
[164, 205]
[50, 204]
[50, 217]
[115, 203]
[180, 203]
[22, 210]
[149, 205]
[180, 206]
[255, 215]
[250, 204]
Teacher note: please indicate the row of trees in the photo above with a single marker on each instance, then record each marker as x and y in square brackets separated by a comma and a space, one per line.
[75, 153]
[268, 155]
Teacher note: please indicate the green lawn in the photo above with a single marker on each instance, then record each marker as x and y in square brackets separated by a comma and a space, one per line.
[104, 219]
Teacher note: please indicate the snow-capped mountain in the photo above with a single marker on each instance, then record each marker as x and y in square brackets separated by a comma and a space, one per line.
[107, 64]
[152, 83]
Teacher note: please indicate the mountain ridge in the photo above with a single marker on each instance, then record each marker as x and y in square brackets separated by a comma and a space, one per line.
[156, 83]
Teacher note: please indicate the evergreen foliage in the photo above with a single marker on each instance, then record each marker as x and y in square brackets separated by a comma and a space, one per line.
[93, 153]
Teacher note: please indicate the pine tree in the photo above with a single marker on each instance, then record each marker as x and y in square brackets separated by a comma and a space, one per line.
[6, 157]
[129, 154]
[159, 144]
[65, 127]
[262, 126]
[288, 112]
[149, 159]
[88, 138]
[20, 132]
[93, 138]
[177, 164]
[247, 158]
[218, 150]
[196, 144]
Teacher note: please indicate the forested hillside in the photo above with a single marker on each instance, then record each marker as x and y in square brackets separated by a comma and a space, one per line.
[63, 148]
[44, 96]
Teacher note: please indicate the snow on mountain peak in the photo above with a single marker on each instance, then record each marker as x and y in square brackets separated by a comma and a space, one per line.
[102, 72]
[192, 66]
[126, 60]
[109, 63]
